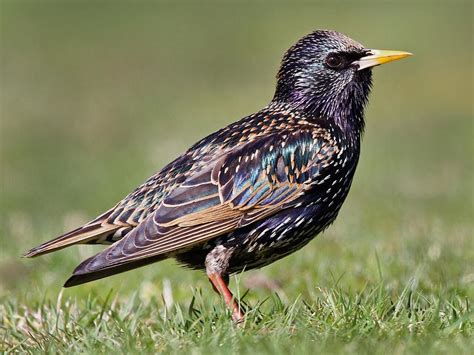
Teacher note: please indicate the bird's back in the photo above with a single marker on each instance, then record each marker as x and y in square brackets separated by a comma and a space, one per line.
[275, 118]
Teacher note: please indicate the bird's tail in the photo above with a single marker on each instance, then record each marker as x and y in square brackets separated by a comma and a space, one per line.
[93, 232]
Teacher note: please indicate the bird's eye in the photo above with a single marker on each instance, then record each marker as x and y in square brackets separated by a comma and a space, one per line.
[334, 61]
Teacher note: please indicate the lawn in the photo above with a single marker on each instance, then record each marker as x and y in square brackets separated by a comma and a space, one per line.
[96, 97]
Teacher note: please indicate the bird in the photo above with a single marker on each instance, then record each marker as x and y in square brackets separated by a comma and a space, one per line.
[255, 191]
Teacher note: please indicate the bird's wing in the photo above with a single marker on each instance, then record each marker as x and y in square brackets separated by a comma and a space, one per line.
[118, 221]
[98, 231]
[234, 190]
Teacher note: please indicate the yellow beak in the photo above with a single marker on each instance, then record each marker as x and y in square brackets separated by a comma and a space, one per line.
[378, 57]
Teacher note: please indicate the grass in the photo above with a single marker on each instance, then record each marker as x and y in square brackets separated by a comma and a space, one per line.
[334, 321]
[408, 295]
[94, 98]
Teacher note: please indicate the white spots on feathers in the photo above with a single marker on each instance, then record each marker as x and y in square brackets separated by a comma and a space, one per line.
[300, 222]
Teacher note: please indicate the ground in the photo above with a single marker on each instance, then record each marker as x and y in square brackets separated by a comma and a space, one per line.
[94, 99]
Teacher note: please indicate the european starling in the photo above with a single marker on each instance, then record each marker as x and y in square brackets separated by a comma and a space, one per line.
[254, 191]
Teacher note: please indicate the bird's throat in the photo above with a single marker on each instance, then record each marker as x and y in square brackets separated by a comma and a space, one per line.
[343, 110]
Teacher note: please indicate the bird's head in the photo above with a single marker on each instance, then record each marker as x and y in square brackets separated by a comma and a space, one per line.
[328, 75]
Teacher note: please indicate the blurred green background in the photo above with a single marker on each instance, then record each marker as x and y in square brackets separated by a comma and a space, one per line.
[97, 96]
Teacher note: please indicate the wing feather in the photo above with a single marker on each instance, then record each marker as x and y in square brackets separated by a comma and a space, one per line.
[234, 190]
[94, 232]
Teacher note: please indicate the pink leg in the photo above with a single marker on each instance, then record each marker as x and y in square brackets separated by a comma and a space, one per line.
[220, 286]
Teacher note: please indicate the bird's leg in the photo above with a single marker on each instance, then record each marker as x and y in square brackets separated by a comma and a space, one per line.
[220, 286]
[217, 263]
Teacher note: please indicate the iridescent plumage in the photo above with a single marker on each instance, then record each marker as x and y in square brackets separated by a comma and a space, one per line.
[252, 192]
